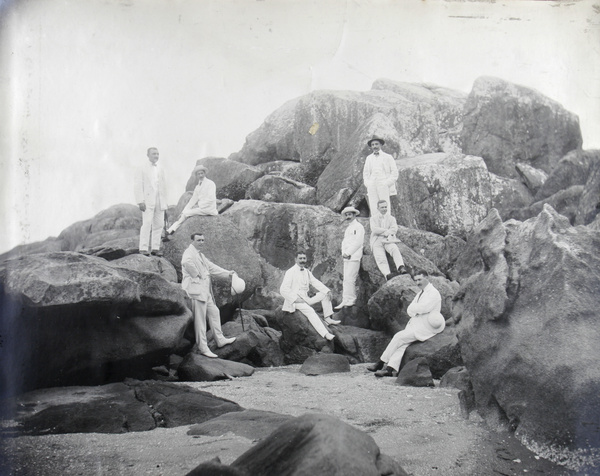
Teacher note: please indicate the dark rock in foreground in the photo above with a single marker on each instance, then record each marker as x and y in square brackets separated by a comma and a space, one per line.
[321, 364]
[252, 424]
[198, 368]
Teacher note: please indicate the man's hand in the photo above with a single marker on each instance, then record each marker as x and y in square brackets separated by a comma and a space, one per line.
[142, 206]
[346, 256]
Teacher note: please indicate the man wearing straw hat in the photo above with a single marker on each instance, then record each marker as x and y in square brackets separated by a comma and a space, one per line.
[425, 321]
[352, 251]
[379, 174]
[202, 202]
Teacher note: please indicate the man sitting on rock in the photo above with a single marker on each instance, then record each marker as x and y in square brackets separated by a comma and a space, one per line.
[294, 289]
[202, 202]
[383, 239]
[425, 322]
[197, 271]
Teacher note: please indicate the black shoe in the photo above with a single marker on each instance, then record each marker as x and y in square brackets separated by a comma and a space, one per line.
[390, 276]
[376, 366]
[402, 269]
[387, 372]
[157, 253]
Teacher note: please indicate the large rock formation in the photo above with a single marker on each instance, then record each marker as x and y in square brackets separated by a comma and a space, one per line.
[589, 203]
[275, 188]
[72, 319]
[506, 124]
[529, 328]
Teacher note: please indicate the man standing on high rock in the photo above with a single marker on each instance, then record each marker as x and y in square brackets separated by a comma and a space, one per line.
[425, 321]
[294, 289]
[383, 239]
[352, 251]
[150, 191]
[197, 272]
[379, 174]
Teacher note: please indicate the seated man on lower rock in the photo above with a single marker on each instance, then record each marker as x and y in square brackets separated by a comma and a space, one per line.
[294, 289]
[425, 321]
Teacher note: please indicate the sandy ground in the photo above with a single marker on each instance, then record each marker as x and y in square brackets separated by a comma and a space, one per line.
[422, 428]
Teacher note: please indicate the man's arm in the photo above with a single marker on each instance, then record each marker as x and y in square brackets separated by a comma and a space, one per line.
[138, 189]
[189, 264]
[393, 171]
[192, 201]
[367, 172]
[356, 240]
[315, 283]
[429, 301]
[286, 287]
[217, 271]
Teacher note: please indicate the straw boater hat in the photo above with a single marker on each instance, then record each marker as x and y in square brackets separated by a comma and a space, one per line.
[350, 210]
[237, 285]
[378, 139]
[198, 168]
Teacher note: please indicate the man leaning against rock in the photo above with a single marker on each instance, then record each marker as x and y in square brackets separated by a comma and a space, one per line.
[425, 321]
[197, 272]
[294, 289]
[352, 251]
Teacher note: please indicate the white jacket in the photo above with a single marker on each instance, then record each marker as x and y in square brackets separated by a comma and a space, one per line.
[293, 283]
[426, 318]
[389, 166]
[381, 224]
[144, 189]
[353, 241]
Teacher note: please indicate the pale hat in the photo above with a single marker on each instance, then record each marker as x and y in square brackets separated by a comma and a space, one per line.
[238, 285]
[436, 320]
[350, 210]
[378, 139]
[198, 168]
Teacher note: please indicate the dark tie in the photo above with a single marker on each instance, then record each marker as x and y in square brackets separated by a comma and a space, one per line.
[419, 296]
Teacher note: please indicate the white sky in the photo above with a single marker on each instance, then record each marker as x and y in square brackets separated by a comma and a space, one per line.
[87, 85]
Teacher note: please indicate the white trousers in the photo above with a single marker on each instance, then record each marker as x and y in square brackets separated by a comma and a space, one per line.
[379, 191]
[204, 311]
[314, 319]
[379, 249]
[153, 221]
[185, 215]
[394, 352]
[351, 269]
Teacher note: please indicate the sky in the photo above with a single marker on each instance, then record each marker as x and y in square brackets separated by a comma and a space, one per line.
[87, 86]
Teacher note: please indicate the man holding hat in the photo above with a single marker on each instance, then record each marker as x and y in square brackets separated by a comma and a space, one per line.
[352, 251]
[202, 202]
[425, 322]
[197, 272]
[379, 174]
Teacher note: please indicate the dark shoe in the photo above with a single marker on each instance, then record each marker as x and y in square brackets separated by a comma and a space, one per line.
[387, 372]
[144, 252]
[166, 238]
[390, 276]
[157, 253]
[402, 270]
[376, 366]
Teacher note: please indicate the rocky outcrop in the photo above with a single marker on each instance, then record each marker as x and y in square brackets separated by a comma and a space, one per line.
[147, 264]
[198, 368]
[529, 332]
[115, 408]
[573, 169]
[360, 345]
[251, 424]
[508, 124]
[589, 203]
[508, 195]
[441, 352]
[443, 193]
[275, 188]
[415, 373]
[314, 444]
[115, 319]
[299, 339]
[322, 364]
[565, 202]
[530, 176]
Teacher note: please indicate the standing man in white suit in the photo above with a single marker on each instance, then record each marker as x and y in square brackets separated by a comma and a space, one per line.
[197, 272]
[379, 175]
[150, 191]
[425, 321]
[352, 251]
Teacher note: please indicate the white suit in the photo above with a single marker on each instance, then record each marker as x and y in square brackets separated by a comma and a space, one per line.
[296, 284]
[150, 188]
[426, 321]
[197, 271]
[352, 245]
[381, 227]
[202, 202]
[379, 175]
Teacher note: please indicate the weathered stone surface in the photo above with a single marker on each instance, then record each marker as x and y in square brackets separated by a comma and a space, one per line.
[589, 203]
[251, 424]
[198, 368]
[573, 169]
[321, 364]
[275, 188]
[508, 194]
[118, 221]
[225, 247]
[387, 307]
[232, 178]
[532, 178]
[415, 373]
[147, 264]
[441, 352]
[456, 377]
[299, 340]
[506, 124]
[565, 202]
[49, 245]
[319, 445]
[360, 345]
[529, 332]
[443, 193]
[116, 408]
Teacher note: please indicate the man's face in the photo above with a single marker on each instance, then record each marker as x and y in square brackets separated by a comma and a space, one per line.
[349, 216]
[200, 174]
[382, 207]
[421, 281]
[198, 242]
[375, 146]
[153, 155]
[301, 260]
